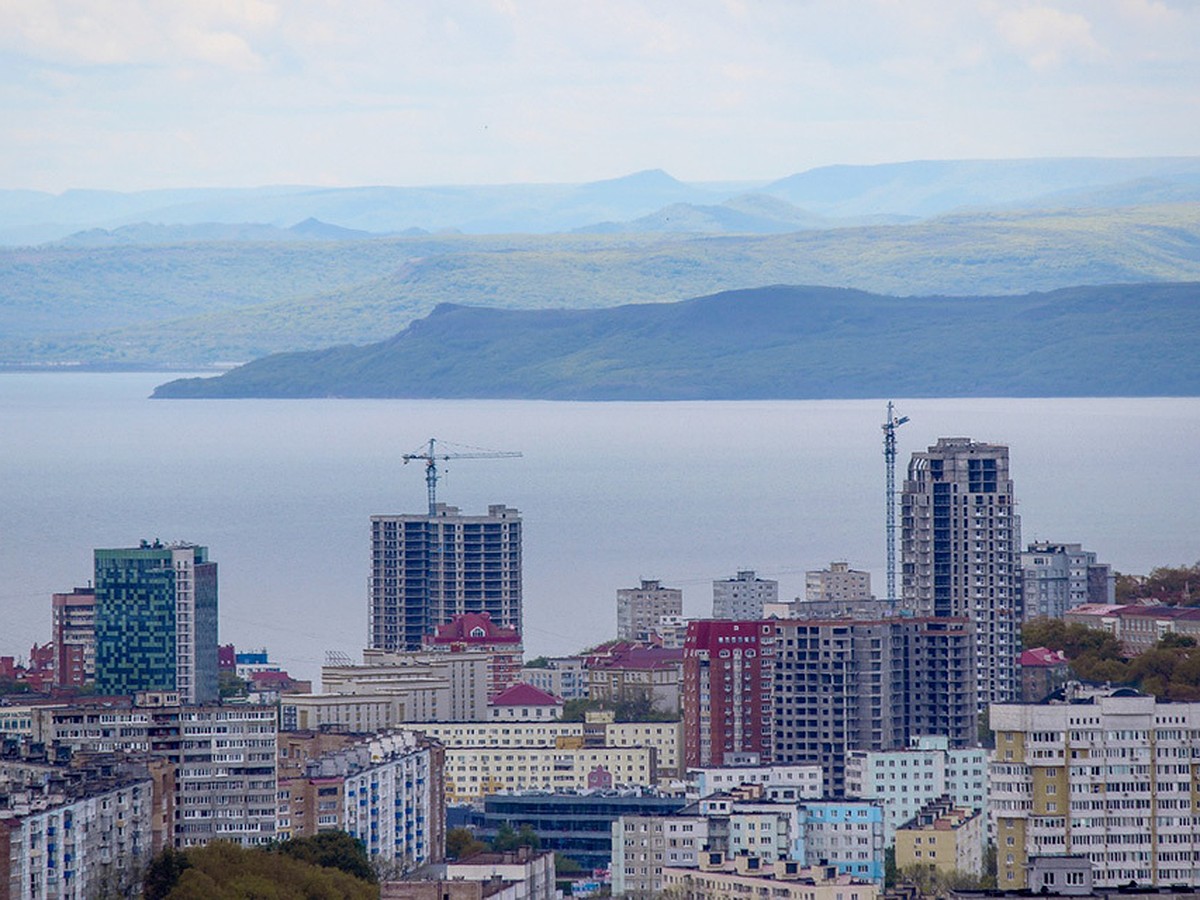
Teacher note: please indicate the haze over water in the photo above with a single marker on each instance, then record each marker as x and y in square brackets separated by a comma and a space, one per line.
[282, 491]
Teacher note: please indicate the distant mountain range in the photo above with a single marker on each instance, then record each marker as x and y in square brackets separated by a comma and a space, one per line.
[189, 305]
[645, 201]
[766, 343]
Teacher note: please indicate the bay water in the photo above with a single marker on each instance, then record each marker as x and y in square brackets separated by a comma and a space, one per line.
[281, 491]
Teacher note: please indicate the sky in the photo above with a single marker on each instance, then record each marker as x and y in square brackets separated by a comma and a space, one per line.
[139, 94]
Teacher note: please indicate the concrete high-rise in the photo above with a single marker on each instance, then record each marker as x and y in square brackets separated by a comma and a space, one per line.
[640, 608]
[156, 621]
[427, 569]
[743, 597]
[869, 684]
[961, 540]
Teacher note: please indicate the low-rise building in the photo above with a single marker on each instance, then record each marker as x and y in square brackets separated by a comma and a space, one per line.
[521, 874]
[635, 672]
[945, 836]
[808, 780]
[1043, 671]
[345, 712]
[720, 878]
[475, 773]
[524, 703]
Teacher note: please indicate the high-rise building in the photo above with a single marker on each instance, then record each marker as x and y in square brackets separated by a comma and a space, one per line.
[728, 691]
[837, 584]
[156, 621]
[73, 636]
[427, 569]
[1058, 577]
[960, 548]
[640, 608]
[869, 684]
[743, 597]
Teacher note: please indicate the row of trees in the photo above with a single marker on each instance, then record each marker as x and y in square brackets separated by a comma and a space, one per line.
[1177, 585]
[329, 866]
[1169, 671]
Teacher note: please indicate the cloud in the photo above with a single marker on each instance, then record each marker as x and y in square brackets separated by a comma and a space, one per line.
[137, 32]
[1044, 36]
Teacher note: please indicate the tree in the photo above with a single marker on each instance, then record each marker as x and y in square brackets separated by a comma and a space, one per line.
[230, 685]
[163, 873]
[505, 839]
[461, 843]
[565, 867]
[333, 850]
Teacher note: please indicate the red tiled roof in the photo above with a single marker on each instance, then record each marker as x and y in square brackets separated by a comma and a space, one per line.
[640, 658]
[522, 694]
[460, 627]
[1042, 657]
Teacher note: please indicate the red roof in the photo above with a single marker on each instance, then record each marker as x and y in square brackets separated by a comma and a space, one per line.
[522, 694]
[639, 658]
[1041, 657]
[474, 628]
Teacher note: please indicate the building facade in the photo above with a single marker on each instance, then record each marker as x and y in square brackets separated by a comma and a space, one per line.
[156, 621]
[944, 836]
[837, 584]
[73, 636]
[728, 691]
[1109, 775]
[1058, 577]
[224, 756]
[477, 632]
[960, 551]
[427, 569]
[640, 608]
[743, 596]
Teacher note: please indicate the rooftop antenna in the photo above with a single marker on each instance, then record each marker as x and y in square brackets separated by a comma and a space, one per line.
[431, 456]
[889, 456]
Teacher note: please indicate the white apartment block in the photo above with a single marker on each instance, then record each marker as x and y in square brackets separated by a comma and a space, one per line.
[744, 596]
[665, 738]
[904, 781]
[1111, 776]
[808, 780]
[475, 773]
[345, 712]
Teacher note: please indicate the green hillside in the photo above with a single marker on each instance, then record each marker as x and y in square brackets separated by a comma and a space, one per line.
[196, 304]
[767, 343]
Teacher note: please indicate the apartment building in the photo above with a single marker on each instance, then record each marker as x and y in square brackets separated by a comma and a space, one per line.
[427, 569]
[744, 596]
[224, 757]
[640, 608]
[721, 878]
[837, 584]
[960, 549]
[1057, 577]
[947, 837]
[1109, 775]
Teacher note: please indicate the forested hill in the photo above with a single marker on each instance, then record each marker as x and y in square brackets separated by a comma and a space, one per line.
[765, 343]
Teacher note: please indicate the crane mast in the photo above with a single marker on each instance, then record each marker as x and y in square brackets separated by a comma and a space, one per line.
[889, 455]
[431, 456]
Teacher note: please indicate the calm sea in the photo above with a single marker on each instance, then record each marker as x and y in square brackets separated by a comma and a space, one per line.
[282, 491]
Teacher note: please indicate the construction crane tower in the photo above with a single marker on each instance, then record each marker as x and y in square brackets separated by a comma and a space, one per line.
[431, 457]
[889, 455]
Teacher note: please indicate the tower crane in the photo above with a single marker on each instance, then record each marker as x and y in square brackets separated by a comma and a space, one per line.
[431, 457]
[889, 455]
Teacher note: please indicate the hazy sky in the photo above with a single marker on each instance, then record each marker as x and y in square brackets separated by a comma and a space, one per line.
[157, 93]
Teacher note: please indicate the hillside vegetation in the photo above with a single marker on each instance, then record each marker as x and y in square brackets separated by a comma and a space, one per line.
[778, 342]
[188, 305]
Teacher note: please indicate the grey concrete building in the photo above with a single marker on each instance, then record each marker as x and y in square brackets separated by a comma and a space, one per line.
[837, 584]
[744, 596]
[426, 569]
[1057, 577]
[640, 608]
[960, 551]
[869, 684]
